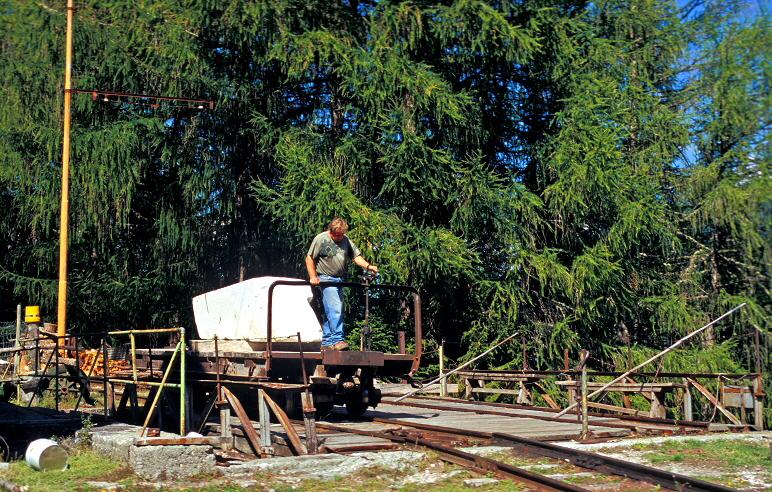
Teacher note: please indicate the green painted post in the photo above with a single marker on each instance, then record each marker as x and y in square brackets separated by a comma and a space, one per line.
[183, 376]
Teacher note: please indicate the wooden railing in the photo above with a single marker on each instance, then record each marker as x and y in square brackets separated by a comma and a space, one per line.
[737, 395]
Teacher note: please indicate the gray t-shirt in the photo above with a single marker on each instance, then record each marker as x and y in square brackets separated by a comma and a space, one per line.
[329, 256]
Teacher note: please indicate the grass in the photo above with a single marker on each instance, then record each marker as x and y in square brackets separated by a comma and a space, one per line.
[727, 462]
[84, 466]
[87, 466]
[732, 452]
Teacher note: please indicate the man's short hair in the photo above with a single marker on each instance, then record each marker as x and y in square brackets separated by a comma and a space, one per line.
[337, 224]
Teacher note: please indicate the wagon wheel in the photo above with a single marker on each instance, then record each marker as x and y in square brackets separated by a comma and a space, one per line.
[356, 406]
[66, 379]
[323, 409]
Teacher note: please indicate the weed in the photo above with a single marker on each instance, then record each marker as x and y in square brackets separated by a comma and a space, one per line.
[84, 434]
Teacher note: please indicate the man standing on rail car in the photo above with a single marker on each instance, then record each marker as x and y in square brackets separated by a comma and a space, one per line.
[326, 262]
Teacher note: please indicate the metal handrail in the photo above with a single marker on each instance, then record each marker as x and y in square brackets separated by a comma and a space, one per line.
[406, 288]
[106, 380]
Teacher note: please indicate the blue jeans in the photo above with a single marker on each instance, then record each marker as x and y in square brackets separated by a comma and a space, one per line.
[332, 300]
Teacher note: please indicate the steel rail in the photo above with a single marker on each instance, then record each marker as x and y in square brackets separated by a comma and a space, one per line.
[479, 464]
[579, 458]
[483, 464]
[615, 425]
[611, 466]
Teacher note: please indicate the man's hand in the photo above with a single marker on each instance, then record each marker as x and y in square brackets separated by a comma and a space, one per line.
[311, 268]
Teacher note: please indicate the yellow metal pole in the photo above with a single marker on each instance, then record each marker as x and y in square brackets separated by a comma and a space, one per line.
[134, 357]
[65, 208]
[160, 389]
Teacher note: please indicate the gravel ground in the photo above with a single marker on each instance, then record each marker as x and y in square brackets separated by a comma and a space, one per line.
[398, 468]
[748, 478]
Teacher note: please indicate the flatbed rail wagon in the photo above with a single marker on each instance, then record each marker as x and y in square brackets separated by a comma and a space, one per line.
[264, 333]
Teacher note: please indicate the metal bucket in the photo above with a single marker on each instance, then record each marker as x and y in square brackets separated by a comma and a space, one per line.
[32, 314]
[46, 455]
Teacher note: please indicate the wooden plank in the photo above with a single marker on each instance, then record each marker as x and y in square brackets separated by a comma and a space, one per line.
[543, 393]
[508, 379]
[333, 448]
[491, 375]
[627, 411]
[178, 441]
[630, 387]
[502, 391]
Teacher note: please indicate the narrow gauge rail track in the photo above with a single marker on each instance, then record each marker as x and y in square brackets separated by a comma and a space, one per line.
[427, 436]
[635, 423]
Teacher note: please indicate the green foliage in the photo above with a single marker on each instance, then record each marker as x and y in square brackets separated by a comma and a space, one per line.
[582, 174]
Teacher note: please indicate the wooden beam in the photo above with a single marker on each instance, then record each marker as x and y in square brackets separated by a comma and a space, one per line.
[249, 429]
[502, 391]
[294, 438]
[178, 441]
[614, 408]
[714, 401]
[546, 397]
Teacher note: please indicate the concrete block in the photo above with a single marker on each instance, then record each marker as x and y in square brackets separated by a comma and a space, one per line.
[171, 462]
[152, 462]
[114, 440]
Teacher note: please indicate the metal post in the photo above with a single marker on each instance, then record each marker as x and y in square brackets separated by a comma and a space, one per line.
[104, 376]
[88, 376]
[222, 405]
[307, 404]
[401, 348]
[225, 420]
[265, 424]
[217, 387]
[525, 364]
[17, 356]
[77, 369]
[585, 421]
[133, 356]
[758, 352]
[183, 394]
[56, 373]
[365, 339]
[444, 382]
[65, 199]
[688, 415]
[758, 405]
[158, 393]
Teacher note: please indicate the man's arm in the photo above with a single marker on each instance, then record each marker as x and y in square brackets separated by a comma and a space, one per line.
[311, 267]
[360, 261]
